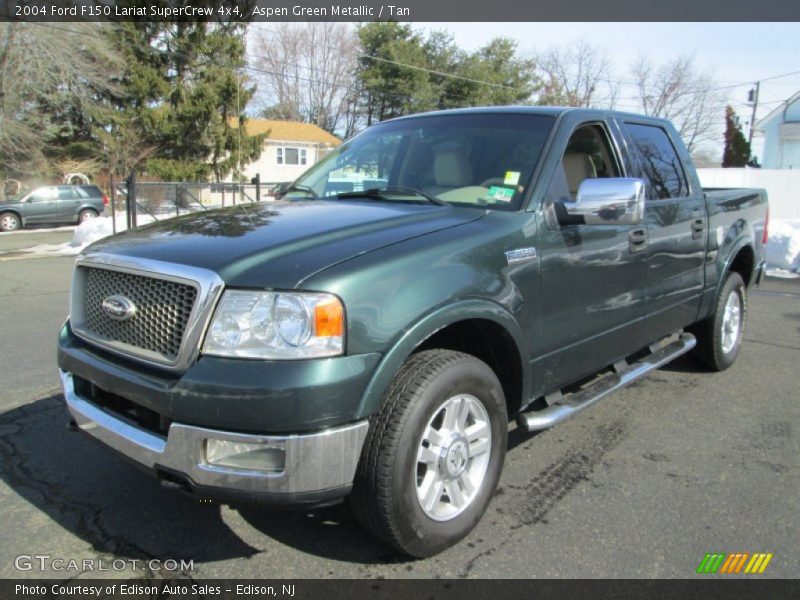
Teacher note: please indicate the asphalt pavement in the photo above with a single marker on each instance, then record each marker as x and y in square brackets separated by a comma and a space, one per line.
[643, 484]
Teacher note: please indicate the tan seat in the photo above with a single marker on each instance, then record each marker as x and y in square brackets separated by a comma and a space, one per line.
[577, 167]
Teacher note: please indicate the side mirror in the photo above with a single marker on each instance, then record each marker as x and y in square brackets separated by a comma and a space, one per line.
[611, 201]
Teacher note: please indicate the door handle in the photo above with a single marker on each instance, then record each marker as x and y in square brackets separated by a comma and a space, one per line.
[637, 240]
[698, 227]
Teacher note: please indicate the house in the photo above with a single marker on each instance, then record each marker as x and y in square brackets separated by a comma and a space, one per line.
[289, 149]
[781, 129]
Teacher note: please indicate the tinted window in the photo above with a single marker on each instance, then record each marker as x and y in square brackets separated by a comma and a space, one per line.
[90, 191]
[66, 193]
[662, 168]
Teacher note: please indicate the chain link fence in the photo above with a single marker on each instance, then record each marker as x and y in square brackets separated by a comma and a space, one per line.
[158, 200]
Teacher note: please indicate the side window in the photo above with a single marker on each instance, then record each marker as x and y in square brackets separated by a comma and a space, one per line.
[46, 194]
[662, 167]
[588, 156]
[66, 193]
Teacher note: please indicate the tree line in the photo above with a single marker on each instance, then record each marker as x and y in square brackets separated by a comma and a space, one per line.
[171, 99]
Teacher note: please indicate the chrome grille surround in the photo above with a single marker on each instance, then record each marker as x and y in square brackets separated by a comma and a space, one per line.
[174, 303]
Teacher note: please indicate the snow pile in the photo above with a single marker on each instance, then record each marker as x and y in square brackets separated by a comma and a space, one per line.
[783, 248]
[96, 229]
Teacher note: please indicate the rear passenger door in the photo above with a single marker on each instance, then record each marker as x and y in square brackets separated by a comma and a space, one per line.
[69, 199]
[676, 227]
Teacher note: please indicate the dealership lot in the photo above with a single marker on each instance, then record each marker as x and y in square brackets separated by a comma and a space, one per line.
[642, 485]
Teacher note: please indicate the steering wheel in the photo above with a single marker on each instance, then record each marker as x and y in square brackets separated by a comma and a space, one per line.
[492, 181]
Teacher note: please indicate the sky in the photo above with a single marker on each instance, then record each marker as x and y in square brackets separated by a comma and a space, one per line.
[735, 53]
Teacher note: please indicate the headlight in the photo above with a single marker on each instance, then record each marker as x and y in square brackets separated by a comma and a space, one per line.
[276, 325]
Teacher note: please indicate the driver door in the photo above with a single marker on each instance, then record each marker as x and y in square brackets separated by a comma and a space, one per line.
[593, 276]
[41, 206]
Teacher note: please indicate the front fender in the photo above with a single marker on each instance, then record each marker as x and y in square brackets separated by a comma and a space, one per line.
[423, 329]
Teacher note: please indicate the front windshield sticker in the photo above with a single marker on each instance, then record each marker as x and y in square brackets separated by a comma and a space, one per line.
[512, 178]
[501, 194]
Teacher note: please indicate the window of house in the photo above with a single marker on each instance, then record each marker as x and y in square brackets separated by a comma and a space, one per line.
[291, 156]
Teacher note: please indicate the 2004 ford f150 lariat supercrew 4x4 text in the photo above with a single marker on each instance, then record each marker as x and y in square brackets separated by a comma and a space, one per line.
[370, 335]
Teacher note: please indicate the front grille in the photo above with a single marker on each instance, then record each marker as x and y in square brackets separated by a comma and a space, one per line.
[163, 308]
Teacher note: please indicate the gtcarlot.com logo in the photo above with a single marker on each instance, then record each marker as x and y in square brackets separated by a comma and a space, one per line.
[46, 562]
[734, 563]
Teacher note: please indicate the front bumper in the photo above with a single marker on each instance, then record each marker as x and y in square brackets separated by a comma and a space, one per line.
[318, 467]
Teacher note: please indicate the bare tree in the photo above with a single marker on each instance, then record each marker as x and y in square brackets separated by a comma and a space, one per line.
[678, 91]
[41, 65]
[577, 75]
[307, 72]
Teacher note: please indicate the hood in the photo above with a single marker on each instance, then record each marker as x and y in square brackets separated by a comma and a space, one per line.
[277, 245]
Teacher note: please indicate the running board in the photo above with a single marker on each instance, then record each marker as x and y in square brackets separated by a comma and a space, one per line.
[567, 406]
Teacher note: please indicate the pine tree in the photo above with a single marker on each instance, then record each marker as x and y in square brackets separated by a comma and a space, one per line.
[737, 148]
[186, 95]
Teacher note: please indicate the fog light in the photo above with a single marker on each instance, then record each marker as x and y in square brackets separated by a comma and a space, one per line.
[245, 455]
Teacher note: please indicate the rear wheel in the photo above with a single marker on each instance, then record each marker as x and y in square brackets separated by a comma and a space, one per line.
[433, 454]
[86, 214]
[10, 222]
[719, 337]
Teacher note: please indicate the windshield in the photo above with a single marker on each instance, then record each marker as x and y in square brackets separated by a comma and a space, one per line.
[473, 159]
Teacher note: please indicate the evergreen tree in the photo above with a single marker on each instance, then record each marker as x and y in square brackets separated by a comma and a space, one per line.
[737, 149]
[186, 95]
[403, 73]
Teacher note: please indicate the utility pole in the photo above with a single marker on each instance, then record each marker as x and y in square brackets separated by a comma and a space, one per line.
[754, 99]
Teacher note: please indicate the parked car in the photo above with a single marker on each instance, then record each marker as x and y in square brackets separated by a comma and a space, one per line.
[53, 204]
[513, 263]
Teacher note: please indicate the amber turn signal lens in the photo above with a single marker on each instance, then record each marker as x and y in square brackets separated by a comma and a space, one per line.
[329, 319]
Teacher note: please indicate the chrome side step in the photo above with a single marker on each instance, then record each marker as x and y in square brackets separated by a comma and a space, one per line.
[570, 404]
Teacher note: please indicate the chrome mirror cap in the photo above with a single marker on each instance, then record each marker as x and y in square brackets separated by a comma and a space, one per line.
[609, 201]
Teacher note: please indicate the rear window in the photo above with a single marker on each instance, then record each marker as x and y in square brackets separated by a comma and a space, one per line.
[91, 190]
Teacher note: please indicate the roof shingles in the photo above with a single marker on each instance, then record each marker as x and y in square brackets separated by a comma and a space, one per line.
[291, 131]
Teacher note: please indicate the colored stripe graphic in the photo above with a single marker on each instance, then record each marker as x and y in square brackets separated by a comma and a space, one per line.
[731, 563]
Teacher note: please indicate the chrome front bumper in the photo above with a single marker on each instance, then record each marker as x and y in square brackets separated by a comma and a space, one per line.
[318, 466]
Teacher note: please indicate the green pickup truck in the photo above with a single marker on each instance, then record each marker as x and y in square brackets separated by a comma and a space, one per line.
[370, 335]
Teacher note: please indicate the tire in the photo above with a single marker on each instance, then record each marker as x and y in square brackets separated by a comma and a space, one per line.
[86, 214]
[414, 453]
[719, 337]
[10, 222]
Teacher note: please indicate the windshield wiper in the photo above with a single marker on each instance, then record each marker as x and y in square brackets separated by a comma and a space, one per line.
[392, 191]
[299, 188]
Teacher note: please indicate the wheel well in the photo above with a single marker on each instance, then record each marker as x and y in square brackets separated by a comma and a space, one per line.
[743, 264]
[489, 342]
[13, 212]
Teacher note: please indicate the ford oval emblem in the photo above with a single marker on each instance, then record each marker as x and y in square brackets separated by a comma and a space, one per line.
[118, 307]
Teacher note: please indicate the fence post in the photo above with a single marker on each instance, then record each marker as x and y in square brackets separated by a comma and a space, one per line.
[178, 198]
[131, 202]
[113, 204]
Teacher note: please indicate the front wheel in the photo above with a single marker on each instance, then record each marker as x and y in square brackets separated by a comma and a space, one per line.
[10, 222]
[434, 453]
[719, 337]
